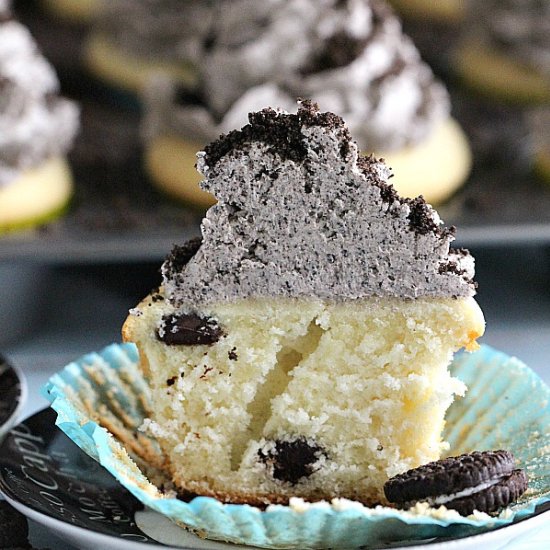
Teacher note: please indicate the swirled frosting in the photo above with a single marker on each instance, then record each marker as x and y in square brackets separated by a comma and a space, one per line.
[35, 123]
[519, 28]
[300, 213]
[158, 29]
[348, 55]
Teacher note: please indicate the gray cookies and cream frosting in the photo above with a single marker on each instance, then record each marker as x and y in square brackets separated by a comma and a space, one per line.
[35, 123]
[519, 28]
[349, 55]
[301, 214]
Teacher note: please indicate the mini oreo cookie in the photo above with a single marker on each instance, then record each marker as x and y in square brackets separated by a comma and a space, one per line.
[484, 481]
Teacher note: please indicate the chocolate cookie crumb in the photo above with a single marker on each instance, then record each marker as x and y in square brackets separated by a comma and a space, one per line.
[188, 329]
[292, 460]
[181, 255]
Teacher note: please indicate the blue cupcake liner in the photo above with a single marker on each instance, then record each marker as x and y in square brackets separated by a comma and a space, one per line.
[507, 406]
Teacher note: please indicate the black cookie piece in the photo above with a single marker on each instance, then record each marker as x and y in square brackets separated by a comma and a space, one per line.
[10, 390]
[484, 481]
[189, 329]
[13, 527]
[292, 460]
[180, 256]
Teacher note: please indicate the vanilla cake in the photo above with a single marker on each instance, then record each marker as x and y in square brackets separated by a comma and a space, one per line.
[301, 347]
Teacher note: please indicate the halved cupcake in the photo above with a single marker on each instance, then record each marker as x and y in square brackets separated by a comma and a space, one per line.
[302, 347]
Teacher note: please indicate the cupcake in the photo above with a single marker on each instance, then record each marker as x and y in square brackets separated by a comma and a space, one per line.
[301, 348]
[75, 11]
[134, 39]
[506, 53]
[349, 56]
[37, 128]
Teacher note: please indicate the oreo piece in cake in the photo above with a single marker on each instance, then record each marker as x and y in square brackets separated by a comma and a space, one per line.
[483, 481]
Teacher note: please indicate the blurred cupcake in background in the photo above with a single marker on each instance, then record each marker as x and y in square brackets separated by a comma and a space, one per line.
[75, 11]
[540, 127]
[349, 56]
[37, 128]
[440, 11]
[505, 54]
[134, 39]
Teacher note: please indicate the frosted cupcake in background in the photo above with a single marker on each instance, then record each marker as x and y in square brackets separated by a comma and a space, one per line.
[37, 128]
[506, 53]
[75, 11]
[134, 39]
[349, 56]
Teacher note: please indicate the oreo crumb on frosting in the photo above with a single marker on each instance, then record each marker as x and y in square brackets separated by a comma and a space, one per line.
[281, 133]
[272, 236]
[181, 255]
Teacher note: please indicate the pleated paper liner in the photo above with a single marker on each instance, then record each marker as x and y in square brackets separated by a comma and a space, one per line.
[102, 399]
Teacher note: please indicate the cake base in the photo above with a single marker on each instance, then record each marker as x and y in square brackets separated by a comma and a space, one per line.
[435, 168]
[120, 70]
[442, 11]
[38, 196]
[494, 75]
[304, 397]
[77, 11]
[542, 165]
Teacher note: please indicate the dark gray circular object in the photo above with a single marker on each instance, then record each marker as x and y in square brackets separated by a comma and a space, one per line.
[13, 527]
[484, 481]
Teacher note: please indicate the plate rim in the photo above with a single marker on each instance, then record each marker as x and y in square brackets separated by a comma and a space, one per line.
[58, 526]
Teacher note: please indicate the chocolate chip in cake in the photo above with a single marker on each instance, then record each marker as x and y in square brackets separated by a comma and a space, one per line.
[233, 354]
[292, 460]
[188, 329]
